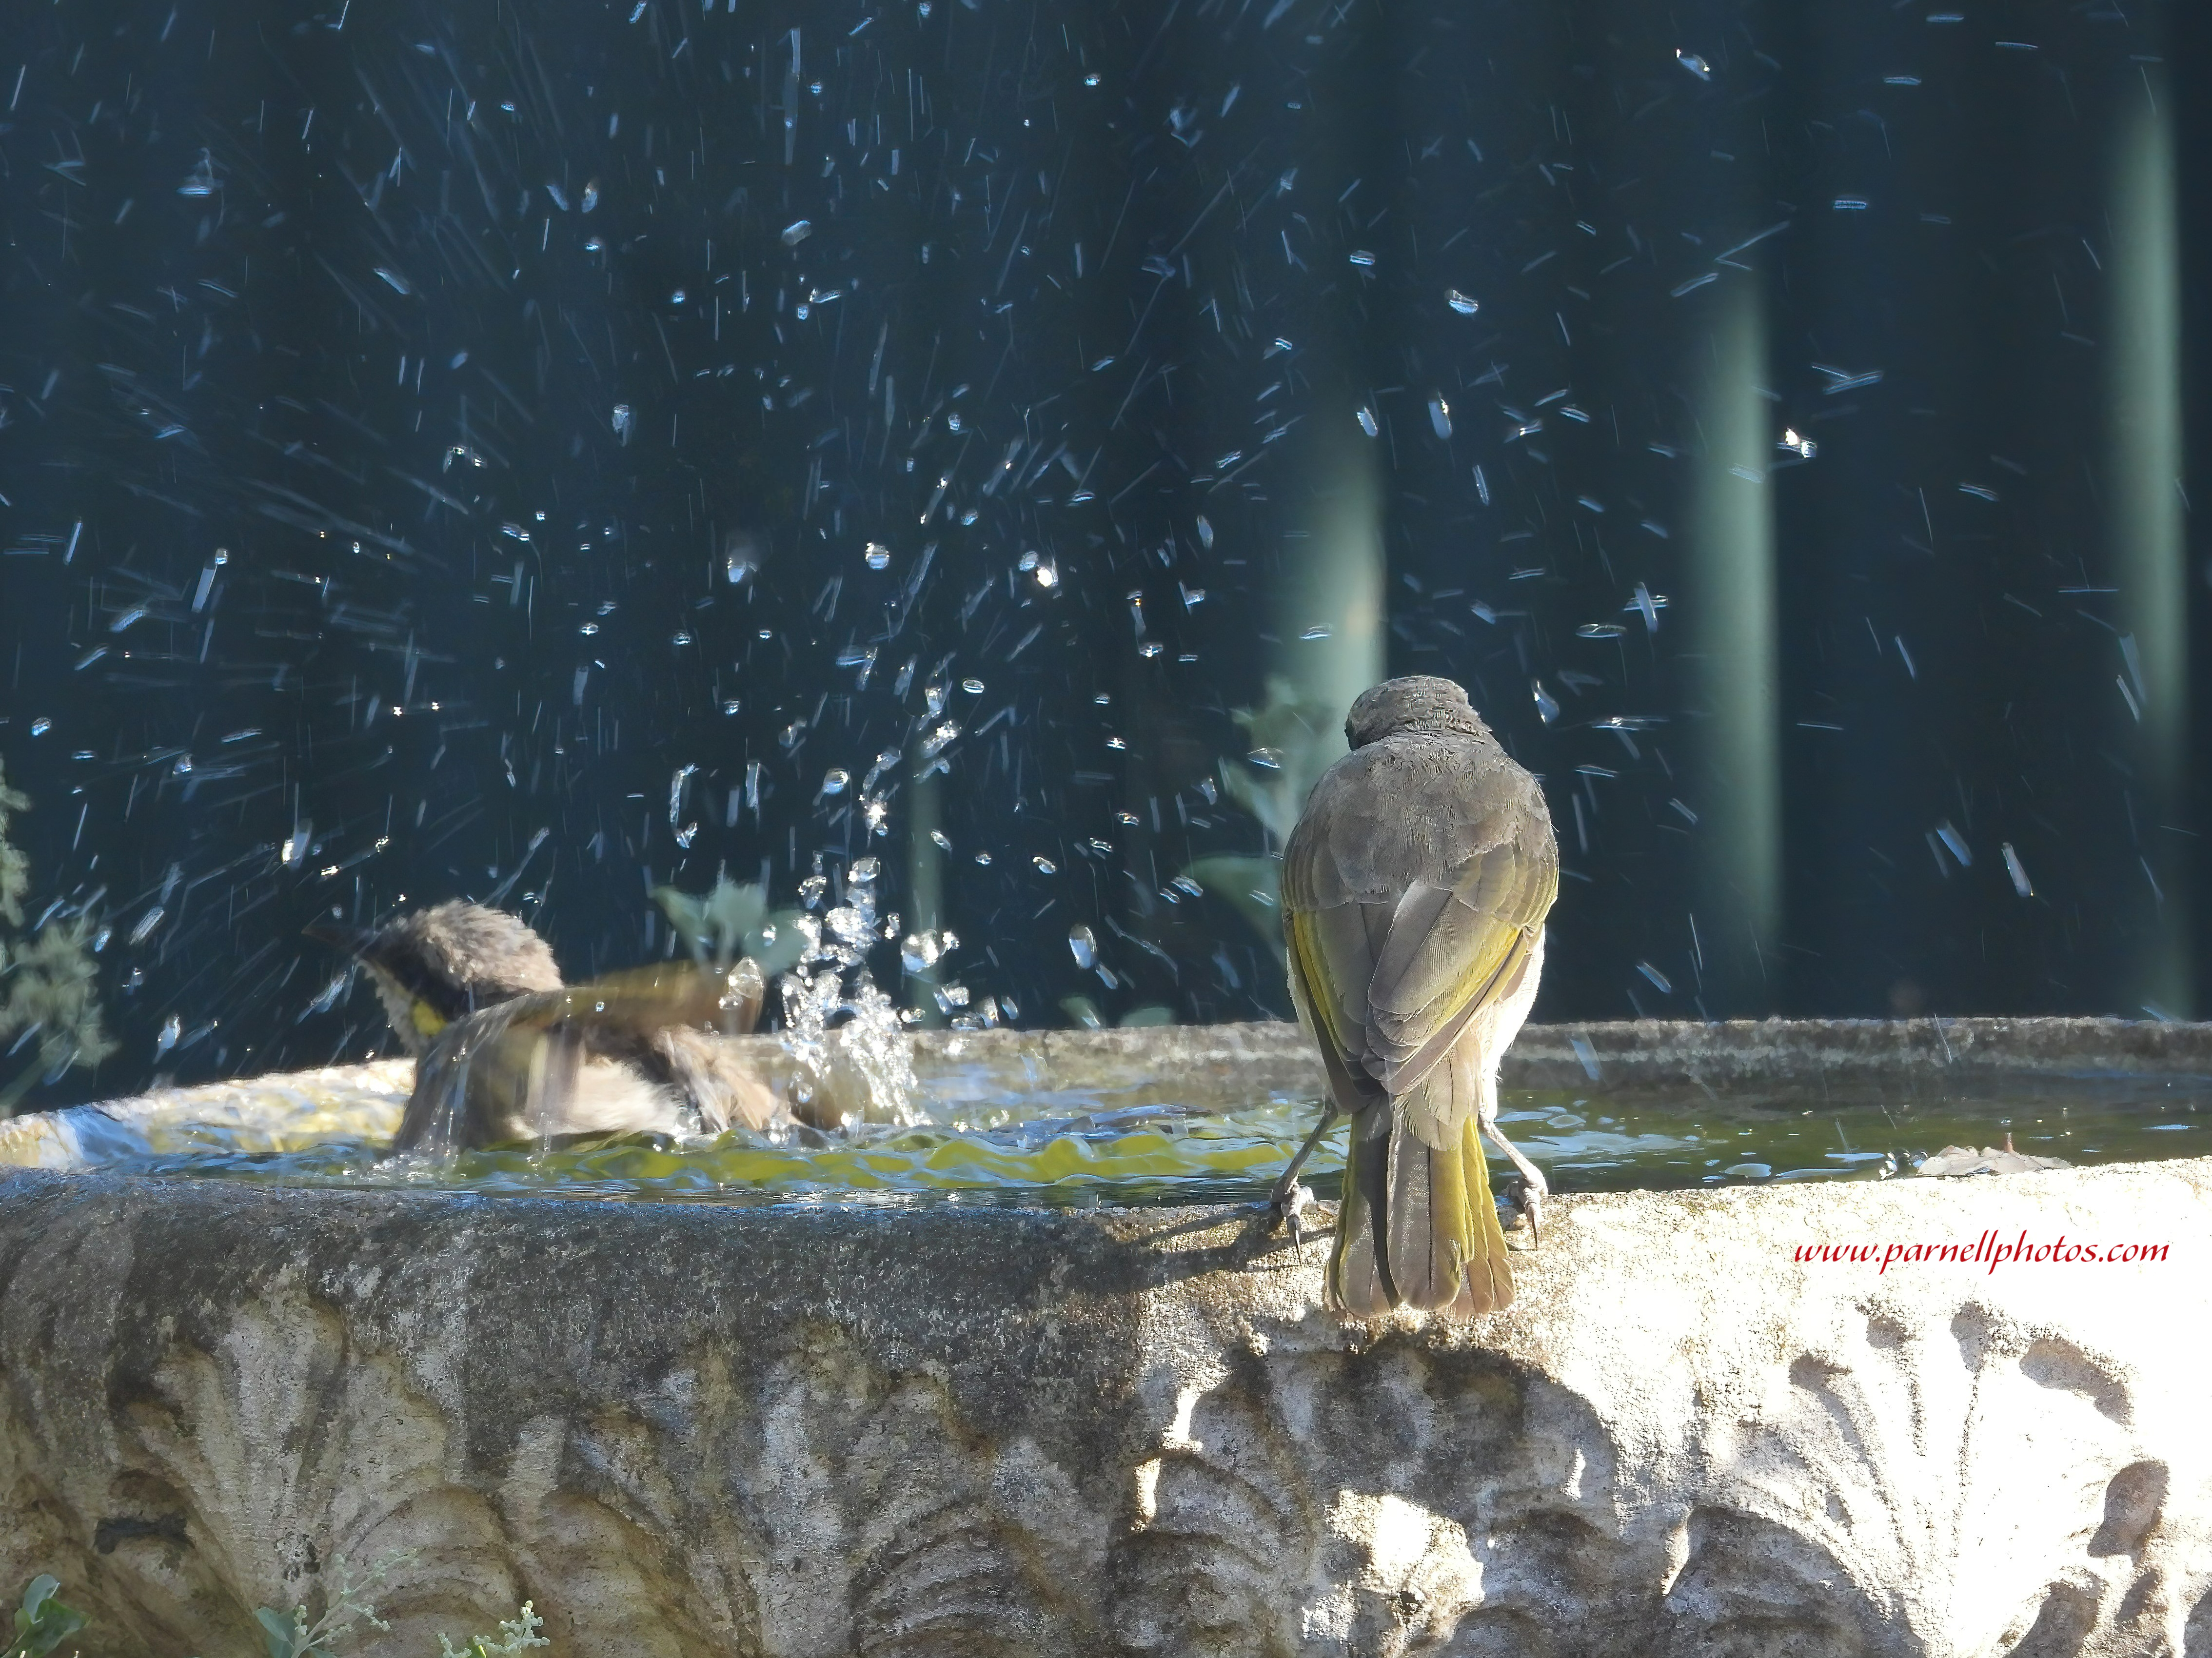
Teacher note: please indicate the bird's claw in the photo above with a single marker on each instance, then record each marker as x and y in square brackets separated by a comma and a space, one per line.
[1528, 1198]
[1287, 1204]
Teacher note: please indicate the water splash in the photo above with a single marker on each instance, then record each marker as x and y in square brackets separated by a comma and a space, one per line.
[845, 1035]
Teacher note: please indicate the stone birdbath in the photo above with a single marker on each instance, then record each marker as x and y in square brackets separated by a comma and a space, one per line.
[817, 1427]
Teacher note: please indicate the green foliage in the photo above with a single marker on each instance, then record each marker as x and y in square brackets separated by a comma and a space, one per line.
[515, 1636]
[52, 986]
[732, 920]
[14, 868]
[1083, 1011]
[48, 984]
[42, 1623]
[1253, 884]
[347, 1607]
[1294, 740]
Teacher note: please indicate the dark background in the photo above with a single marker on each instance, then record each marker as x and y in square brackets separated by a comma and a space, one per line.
[317, 321]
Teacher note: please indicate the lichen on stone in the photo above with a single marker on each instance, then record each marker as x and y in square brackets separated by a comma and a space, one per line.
[49, 982]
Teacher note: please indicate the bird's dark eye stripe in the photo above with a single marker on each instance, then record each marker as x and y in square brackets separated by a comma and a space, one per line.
[448, 1000]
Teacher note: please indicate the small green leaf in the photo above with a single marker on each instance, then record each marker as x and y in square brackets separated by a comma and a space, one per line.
[42, 1623]
[281, 1631]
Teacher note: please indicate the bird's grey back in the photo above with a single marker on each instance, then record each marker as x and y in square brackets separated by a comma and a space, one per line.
[1412, 806]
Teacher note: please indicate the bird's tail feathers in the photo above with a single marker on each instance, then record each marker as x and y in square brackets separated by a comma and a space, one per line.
[1416, 1227]
[1430, 1234]
[1488, 1285]
[1359, 1279]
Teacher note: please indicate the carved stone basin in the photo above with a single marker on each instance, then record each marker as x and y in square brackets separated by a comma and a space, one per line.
[808, 1429]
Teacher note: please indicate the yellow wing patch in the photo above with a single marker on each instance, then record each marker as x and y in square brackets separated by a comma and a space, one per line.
[1310, 963]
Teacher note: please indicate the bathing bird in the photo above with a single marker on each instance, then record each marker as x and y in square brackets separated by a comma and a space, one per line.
[1414, 890]
[505, 1052]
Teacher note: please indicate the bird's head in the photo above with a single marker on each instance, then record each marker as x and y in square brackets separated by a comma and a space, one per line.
[1419, 703]
[437, 965]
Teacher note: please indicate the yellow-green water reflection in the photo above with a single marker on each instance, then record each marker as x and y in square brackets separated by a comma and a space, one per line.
[1051, 1150]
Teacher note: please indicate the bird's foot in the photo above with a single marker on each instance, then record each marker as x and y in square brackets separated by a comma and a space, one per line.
[1528, 1199]
[1287, 1204]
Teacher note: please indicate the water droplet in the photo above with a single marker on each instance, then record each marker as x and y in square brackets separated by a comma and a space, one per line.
[1083, 943]
[1045, 866]
[741, 558]
[1365, 417]
[1440, 416]
[1461, 303]
[879, 555]
[796, 232]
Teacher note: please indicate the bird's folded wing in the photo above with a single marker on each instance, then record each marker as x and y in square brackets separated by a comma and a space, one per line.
[1387, 993]
[1330, 963]
[642, 999]
[1451, 952]
[1390, 988]
[487, 1079]
[525, 1066]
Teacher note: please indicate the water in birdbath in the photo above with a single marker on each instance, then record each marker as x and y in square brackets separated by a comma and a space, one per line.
[984, 1131]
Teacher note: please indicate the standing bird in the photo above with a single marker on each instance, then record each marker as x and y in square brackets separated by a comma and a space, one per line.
[1414, 891]
[504, 1052]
